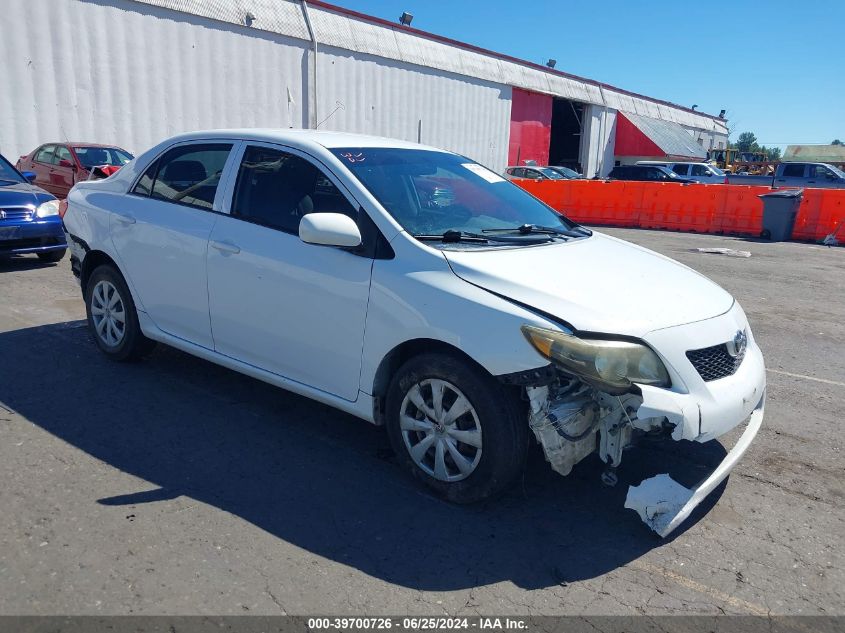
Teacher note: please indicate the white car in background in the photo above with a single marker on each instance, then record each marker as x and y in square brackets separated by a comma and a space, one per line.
[704, 173]
[414, 288]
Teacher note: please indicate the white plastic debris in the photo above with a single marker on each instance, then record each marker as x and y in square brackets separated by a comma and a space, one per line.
[658, 500]
[724, 251]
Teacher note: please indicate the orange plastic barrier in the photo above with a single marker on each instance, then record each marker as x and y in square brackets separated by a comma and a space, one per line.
[822, 211]
[731, 209]
[742, 212]
[681, 208]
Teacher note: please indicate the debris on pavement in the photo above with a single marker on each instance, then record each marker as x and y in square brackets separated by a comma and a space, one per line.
[724, 251]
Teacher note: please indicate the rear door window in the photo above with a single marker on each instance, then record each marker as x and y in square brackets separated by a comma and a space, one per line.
[793, 171]
[681, 170]
[276, 189]
[63, 153]
[187, 175]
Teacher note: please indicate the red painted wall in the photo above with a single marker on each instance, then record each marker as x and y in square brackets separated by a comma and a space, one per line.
[630, 141]
[531, 127]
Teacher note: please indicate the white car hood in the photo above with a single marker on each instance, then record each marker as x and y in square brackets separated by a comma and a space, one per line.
[596, 284]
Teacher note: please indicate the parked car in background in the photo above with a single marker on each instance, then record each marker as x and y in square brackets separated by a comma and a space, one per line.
[820, 175]
[570, 174]
[699, 172]
[59, 166]
[29, 217]
[533, 172]
[318, 262]
[651, 173]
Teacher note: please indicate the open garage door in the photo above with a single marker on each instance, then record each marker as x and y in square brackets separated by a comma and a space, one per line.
[566, 134]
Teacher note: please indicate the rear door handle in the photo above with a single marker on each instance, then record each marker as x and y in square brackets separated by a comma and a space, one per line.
[124, 218]
[225, 247]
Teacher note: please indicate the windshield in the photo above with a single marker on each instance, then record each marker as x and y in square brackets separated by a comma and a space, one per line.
[551, 174]
[569, 173]
[95, 156]
[430, 192]
[8, 174]
[716, 170]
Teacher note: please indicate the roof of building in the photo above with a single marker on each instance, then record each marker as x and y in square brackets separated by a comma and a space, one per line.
[335, 26]
[815, 153]
[644, 136]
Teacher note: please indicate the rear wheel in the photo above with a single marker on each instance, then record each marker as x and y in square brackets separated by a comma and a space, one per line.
[112, 318]
[52, 256]
[455, 428]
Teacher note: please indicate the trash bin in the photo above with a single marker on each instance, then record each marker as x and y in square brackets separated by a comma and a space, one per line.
[779, 210]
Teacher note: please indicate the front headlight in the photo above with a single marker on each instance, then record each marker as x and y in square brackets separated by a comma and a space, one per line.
[46, 209]
[612, 365]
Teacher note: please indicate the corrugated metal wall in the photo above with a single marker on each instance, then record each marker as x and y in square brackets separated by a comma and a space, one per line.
[363, 93]
[599, 141]
[115, 71]
[128, 73]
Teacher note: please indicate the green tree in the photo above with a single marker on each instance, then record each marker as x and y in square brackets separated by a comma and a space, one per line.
[836, 141]
[746, 142]
[772, 153]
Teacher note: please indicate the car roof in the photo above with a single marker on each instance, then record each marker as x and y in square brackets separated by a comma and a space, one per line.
[322, 138]
[79, 144]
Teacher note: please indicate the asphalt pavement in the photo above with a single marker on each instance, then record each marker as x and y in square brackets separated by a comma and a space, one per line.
[174, 486]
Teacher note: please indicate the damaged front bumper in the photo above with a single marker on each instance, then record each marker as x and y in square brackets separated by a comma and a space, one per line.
[663, 503]
[575, 420]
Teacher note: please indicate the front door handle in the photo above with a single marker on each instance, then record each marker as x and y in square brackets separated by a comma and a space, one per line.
[124, 218]
[225, 247]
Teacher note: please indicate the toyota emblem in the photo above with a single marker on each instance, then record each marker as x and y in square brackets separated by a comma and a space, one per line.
[736, 348]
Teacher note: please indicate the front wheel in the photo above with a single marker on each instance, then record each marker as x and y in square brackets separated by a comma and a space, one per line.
[112, 318]
[455, 428]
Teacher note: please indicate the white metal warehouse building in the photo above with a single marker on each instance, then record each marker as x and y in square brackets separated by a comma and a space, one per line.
[133, 72]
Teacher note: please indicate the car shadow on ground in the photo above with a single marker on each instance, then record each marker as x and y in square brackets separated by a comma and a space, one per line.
[15, 263]
[322, 480]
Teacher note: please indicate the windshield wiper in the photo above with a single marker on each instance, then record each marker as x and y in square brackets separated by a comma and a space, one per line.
[529, 229]
[14, 182]
[452, 235]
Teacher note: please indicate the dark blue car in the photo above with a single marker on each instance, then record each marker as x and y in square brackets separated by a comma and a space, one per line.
[29, 217]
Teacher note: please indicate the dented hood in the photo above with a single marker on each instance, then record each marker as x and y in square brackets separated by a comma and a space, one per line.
[597, 284]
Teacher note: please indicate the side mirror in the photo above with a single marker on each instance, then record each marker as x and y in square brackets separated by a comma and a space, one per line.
[29, 175]
[329, 229]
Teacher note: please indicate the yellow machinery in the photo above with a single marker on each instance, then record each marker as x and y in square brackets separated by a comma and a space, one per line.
[736, 162]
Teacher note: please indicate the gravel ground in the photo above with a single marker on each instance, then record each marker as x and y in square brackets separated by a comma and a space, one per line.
[174, 486]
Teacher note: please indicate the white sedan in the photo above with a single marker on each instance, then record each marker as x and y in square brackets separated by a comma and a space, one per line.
[415, 288]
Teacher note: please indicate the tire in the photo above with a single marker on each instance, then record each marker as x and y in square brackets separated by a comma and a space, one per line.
[119, 341]
[52, 256]
[495, 421]
[766, 234]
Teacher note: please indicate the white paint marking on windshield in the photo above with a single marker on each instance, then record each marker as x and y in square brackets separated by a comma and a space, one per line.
[485, 173]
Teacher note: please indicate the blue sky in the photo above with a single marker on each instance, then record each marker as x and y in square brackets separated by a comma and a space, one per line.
[777, 67]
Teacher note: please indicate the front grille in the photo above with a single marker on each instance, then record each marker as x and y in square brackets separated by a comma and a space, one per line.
[15, 213]
[715, 362]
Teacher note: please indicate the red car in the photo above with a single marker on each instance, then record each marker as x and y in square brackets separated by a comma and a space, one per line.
[59, 166]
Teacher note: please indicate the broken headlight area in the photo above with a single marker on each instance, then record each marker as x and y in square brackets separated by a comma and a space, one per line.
[571, 419]
[610, 365]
